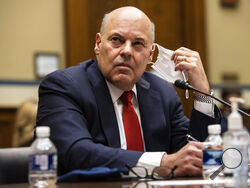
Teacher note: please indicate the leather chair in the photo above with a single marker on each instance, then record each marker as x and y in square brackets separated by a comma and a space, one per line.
[14, 165]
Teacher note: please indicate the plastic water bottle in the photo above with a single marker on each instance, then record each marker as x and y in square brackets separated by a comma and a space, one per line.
[43, 160]
[236, 137]
[212, 150]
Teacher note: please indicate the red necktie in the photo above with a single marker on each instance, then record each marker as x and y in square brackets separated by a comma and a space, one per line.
[131, 123]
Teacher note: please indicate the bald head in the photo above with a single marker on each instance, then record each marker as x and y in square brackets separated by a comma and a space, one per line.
[129, 13]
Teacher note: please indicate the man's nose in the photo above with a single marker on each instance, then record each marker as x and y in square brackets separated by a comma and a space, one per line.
[127, 49]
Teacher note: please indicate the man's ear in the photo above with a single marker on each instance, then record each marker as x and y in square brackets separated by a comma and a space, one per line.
[152, 50]
[98, 39]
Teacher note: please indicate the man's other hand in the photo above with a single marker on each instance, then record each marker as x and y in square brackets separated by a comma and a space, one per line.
[188, 159]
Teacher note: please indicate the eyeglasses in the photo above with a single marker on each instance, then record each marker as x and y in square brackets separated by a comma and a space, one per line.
[158, 173]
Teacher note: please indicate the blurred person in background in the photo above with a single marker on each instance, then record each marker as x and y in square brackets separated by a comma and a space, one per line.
[24, 123]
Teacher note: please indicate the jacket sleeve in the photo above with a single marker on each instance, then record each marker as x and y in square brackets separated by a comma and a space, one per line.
[197, 125]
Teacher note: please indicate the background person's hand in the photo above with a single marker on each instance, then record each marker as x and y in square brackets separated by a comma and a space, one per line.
[188, 159]
[190, 62]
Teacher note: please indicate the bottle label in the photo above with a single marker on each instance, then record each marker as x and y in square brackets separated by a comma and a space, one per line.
[43, 162]
[212, 157]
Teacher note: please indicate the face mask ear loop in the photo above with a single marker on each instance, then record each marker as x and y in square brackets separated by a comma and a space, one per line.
[185, 79]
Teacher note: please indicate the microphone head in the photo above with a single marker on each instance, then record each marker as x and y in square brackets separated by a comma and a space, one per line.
[181, 84]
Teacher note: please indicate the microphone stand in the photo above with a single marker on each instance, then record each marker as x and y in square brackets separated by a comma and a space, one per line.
[185, 84]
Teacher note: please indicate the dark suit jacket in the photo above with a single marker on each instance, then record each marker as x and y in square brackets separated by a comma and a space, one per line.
[76, 104]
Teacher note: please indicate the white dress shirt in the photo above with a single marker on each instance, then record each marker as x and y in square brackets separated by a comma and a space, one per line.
[148, 159]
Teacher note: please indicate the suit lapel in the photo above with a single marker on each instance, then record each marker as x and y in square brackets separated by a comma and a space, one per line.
[152, 115]
[105, 106]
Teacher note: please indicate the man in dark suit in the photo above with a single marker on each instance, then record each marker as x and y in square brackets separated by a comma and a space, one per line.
[83, 105]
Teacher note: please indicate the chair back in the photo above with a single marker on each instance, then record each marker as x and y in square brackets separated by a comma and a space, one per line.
[14, 165]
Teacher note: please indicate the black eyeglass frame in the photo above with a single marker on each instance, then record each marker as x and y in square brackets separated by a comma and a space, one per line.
[151, 176]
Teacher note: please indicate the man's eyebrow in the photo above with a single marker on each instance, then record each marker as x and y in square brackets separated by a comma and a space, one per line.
[116, 34]
[140, 39]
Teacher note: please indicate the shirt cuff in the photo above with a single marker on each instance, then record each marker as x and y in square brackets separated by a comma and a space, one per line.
[205, 108]
[150, 160]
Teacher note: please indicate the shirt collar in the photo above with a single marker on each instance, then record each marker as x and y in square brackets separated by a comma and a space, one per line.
[116, 92]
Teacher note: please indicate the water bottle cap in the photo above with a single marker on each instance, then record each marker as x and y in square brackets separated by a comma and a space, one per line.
[214, 129]
[43, 131]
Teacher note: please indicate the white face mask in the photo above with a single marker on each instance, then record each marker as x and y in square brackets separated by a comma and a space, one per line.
[164, 67]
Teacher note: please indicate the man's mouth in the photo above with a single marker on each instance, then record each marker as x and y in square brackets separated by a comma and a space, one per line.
[123, 65]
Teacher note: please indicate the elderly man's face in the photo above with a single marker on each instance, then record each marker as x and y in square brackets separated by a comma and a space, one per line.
[125, 48]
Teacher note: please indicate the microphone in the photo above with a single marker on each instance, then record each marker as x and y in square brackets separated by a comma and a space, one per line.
[184, 85]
